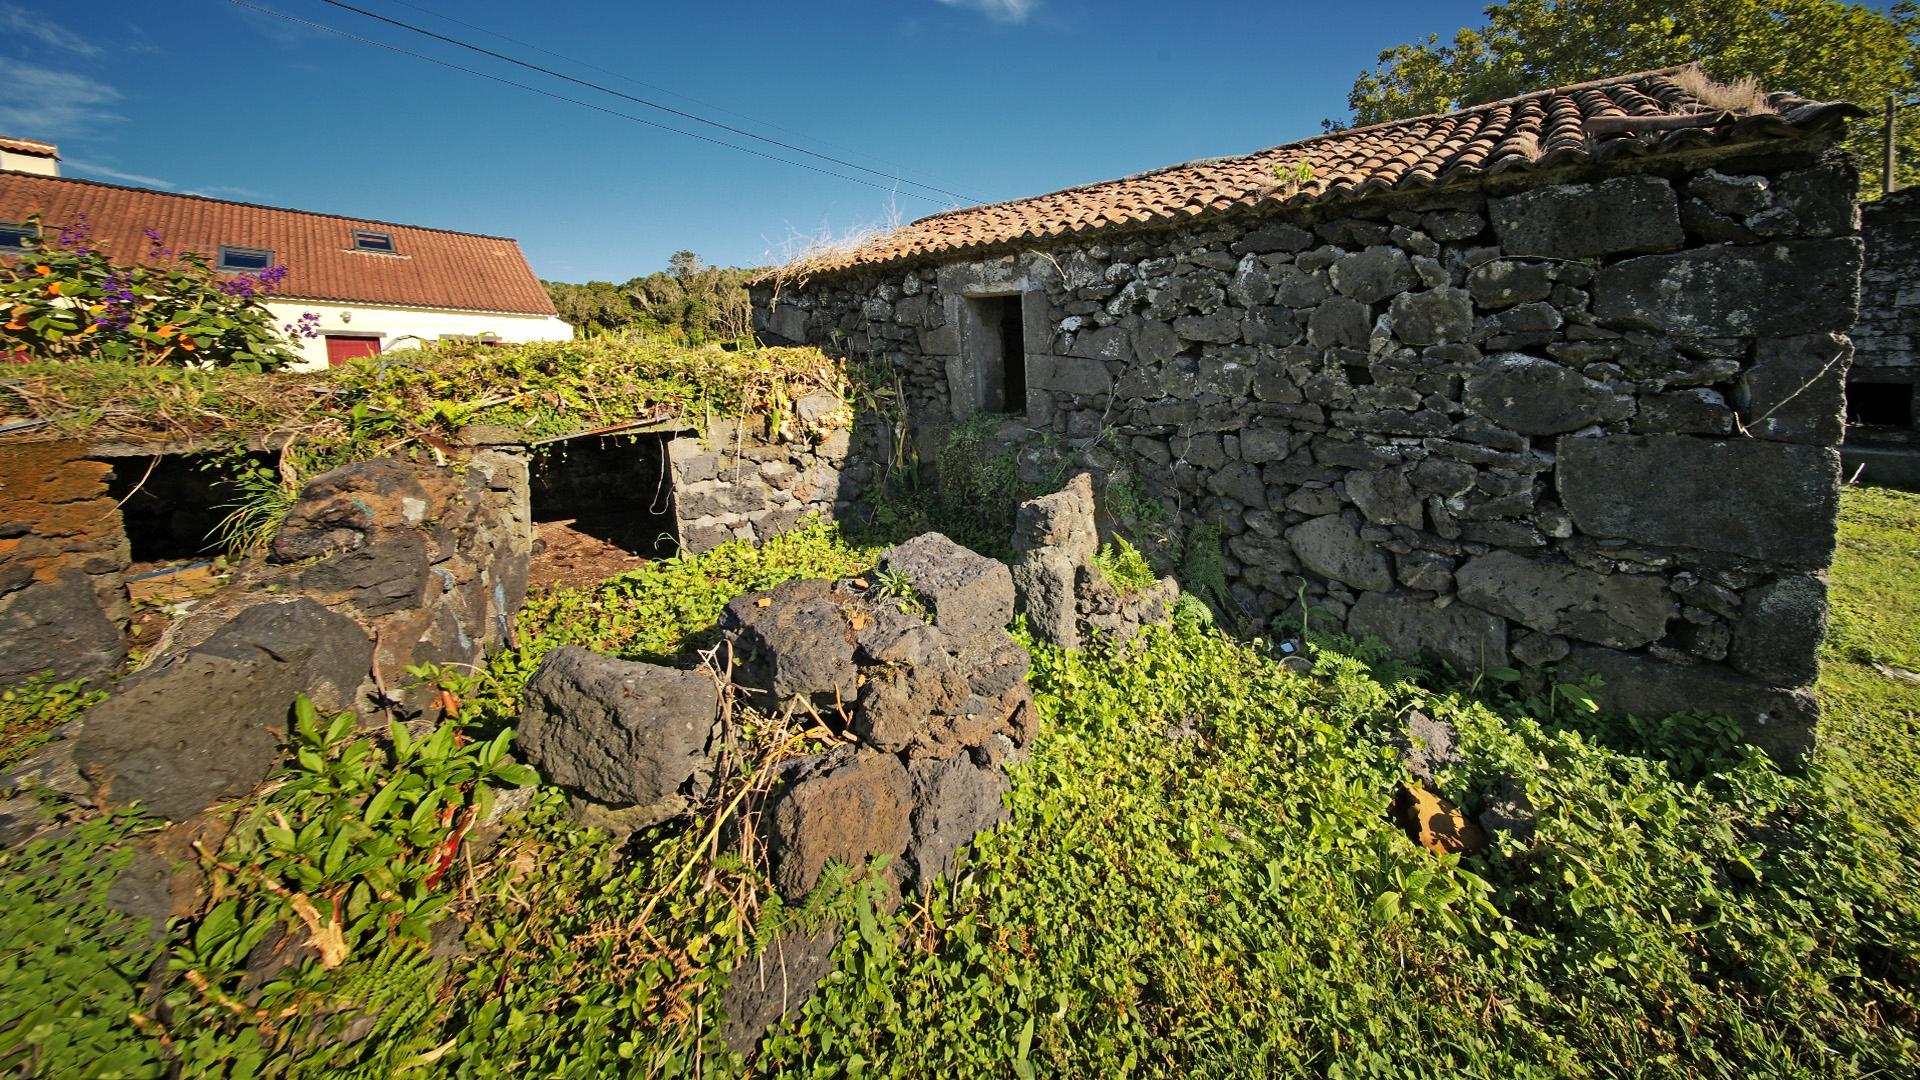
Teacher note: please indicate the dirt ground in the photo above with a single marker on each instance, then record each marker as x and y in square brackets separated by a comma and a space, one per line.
[565, 556]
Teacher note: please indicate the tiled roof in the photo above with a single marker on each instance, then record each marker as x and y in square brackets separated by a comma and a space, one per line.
[429, 268]
[1645, 113]
[29, 146]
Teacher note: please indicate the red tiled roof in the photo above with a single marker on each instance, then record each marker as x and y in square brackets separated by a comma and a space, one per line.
[1646, 113]
[30, 146]
[431, 268]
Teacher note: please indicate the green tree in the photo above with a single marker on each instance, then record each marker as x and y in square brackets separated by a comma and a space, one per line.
[689, 302]
[1823, 49]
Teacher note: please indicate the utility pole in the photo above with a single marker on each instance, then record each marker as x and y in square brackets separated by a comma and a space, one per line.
[1886, 172]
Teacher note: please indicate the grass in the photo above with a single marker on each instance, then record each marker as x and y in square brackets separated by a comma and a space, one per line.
[1198, 878]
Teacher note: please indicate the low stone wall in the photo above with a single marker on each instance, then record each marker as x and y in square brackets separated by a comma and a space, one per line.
[740, 481]
[63, 561]
[1577, 418]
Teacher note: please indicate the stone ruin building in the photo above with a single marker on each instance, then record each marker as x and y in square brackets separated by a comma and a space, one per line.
[1883, 436]
[1551, 380]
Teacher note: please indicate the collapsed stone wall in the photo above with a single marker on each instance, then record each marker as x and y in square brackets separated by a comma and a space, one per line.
[63, 563]
[1585, 418]
[925, 698]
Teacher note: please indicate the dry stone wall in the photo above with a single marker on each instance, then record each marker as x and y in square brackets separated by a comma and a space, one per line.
[63, 561]
[1584, 419]
[1887, 337]
[740, 481]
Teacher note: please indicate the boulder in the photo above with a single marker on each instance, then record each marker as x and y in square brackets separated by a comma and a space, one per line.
[1043, 591]
[953, 801]
[1581, 221]
[1465, 638]
[1331, 546]
[777, 979]
[968, 594]
[206, 725]
[1622, 610]
[793, 641]
[621, 733]
[1063, 521]
[844, 806]
[1765, 500]
[56, 626]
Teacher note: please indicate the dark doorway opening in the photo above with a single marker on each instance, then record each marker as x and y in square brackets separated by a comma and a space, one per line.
[1872, 404]
[172, 505]
[602, 505]
[1013, 355]
[997, 346]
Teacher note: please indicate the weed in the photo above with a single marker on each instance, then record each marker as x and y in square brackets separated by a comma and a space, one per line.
[1123, 567]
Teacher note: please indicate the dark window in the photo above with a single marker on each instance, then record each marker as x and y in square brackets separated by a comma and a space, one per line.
[1872, 404]
[14, 237]
[372, 241]
[244, 258]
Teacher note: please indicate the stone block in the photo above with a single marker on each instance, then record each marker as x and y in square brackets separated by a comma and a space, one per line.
[1625, 611]
[1332, 547]
[1465, 638]
[968, 594]
[1433, 317]
[1581, 221]
[793, 641]
[1721, 291]
[1795, 389]
[1069, 375]
[207, 724]
[1778, 636]
[1780, 722]
[1775, 502]
[56, 626]
[1539, 397]
[622, 733]
[1372, 275]
[1385, 497]
[953, 801]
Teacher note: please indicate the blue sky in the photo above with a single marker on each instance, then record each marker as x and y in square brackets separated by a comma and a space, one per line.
[993, 99]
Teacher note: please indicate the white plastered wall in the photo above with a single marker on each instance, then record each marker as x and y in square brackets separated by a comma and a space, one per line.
[407, 327]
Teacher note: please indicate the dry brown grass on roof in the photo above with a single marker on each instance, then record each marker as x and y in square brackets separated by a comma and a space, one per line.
[1743, 95]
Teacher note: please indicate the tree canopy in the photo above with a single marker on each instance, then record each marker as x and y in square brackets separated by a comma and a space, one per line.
[689, 302]
[1823, 49]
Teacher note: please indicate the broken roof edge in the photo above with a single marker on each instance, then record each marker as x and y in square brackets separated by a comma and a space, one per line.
[1605, 138]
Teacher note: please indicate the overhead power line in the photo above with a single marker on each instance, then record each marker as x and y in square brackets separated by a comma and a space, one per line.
[709, 106]
[623, 95]
[543, 92]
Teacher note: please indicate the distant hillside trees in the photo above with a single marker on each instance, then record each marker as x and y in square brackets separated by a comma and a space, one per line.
[689, 302]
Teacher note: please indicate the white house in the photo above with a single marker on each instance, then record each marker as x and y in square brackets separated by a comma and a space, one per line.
[375, 285]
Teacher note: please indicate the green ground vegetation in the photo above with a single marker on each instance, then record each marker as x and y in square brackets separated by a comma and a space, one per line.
[1198, 877]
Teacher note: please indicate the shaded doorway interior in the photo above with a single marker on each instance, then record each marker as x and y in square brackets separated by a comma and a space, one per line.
[602, 505]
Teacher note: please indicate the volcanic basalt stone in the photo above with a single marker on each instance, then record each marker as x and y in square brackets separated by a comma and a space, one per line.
[1580, 221]
[1464, 637]
[1539, 397]
[968, 594]
[622, 733]
[1332, 547]
[1725, 291]
[845, 806]
[1622, 610]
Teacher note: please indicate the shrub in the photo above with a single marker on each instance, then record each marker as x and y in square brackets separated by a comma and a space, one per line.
[66, 300]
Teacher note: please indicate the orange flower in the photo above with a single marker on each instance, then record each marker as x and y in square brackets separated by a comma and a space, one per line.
[187, 343]
[16, 326]
[53, 289]
[43, 270]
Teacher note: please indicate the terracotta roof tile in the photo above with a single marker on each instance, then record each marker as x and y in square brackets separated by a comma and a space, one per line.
[1644, 113]
[429, 268]
[30, 146]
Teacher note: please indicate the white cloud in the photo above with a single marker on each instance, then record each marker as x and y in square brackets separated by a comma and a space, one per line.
[228, 191]
[19, 22]
[48, 104]
[105, 173]
[1010, 11]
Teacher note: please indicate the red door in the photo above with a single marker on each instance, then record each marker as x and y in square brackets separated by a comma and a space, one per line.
[341, 349]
